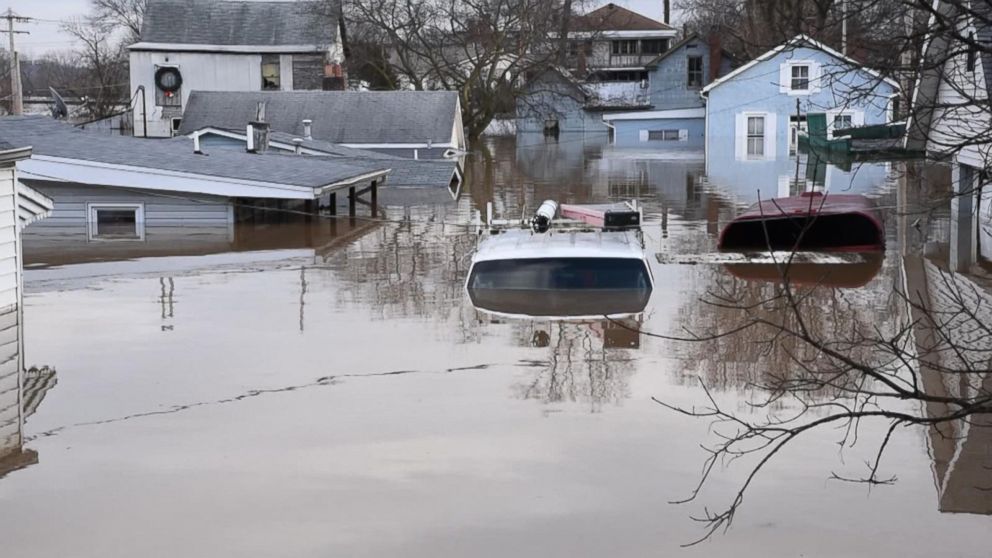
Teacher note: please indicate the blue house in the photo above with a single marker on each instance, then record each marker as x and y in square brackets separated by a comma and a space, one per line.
[754, 114]
[675, 80]
[555, 101]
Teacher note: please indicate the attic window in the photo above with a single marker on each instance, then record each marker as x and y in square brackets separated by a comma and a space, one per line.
[695, 67]
[116, 221]
[800, 78]
[270, 72]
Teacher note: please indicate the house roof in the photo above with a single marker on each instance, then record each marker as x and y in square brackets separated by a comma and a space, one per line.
[405, 172]
[236, 23]
[616, 18]
[274, 176]
[348, 117]
[798, 41]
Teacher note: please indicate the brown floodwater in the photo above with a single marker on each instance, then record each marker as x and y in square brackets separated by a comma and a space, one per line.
[295, 390]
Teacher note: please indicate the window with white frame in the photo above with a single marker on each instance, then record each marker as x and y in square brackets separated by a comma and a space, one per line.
[843, 121]
[663, 135]
[694, 65]
[799, 77]
[625, 46]
[116, 221]
[755, 137]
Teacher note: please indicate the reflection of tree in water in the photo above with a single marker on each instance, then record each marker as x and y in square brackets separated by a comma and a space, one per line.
[588, 362]
[412, 267]
[759, 357]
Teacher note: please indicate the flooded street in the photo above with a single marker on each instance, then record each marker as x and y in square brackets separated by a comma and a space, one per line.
[330, 390]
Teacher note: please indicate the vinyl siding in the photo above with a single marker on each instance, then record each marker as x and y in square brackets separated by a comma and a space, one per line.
[10, 366]
[636, 133]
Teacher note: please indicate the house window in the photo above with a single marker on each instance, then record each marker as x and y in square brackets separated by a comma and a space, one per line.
[842, 121]
[270, 72]
[654, 46]
[625, 47]
[800, 78]
[695, 65]
[116, 221]
[755, 137]
[663, 135]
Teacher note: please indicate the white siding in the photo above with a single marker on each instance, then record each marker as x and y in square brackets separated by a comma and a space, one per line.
[10, 368]
[202, 71]
[964, 119]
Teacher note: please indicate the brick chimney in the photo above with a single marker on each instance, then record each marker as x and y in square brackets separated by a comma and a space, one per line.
[716, 56]
[334, 77]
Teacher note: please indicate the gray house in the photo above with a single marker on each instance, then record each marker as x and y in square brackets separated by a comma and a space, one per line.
[116, 189]
[412, 124]
[675, 80]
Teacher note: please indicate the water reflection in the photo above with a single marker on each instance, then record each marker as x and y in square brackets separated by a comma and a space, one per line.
[588, 362]
[21, 392]
[831, 276]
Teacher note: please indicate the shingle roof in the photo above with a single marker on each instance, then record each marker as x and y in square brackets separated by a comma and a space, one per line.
[372, 117]
[616, 18]
[225, 22]
[405, 172]
[55, 139]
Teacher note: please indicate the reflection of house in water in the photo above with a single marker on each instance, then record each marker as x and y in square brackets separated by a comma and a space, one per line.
[961, 450]
[746, 181]
[20, 207]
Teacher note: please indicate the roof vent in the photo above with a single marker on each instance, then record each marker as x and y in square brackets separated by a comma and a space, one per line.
[308, 129]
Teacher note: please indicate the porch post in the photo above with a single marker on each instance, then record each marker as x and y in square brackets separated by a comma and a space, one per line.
[964, 216]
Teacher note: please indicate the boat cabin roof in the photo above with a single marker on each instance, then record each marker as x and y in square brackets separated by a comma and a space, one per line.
[524, 244]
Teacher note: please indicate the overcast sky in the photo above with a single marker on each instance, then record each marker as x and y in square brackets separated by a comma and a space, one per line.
[45, 35]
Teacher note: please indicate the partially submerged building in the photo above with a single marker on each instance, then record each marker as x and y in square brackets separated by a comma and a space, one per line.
[19, 207]
[613, 43]
[123, 189]
[755, 114]
[675, 79]
[411, 124]
[951, 118]
[229, 45]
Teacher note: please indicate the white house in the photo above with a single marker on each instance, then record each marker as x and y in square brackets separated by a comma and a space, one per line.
[19, 206]
[228, 45]
[951, 117]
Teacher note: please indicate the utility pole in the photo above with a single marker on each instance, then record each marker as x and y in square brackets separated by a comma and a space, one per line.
[16, 94]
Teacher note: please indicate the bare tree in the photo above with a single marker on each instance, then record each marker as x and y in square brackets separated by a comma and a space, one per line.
[123, 14]
[480, 48]
[104, 87]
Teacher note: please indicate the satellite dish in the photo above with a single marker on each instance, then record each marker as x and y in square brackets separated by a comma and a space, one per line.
[59, 108]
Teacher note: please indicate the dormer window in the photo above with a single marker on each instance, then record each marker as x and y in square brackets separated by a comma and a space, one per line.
[800, 77]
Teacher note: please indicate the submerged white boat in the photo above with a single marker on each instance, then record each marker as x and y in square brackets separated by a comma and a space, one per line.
[542, 265]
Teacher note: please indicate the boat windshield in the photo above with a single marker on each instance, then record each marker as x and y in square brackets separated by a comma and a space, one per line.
[561, 273]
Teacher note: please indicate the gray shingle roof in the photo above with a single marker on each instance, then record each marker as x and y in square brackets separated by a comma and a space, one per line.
[224, 22]
[370, 117]
[405, 172]
[55, 139]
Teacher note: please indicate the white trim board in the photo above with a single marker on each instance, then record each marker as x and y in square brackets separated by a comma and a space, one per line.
[42, 167]
[657, 114]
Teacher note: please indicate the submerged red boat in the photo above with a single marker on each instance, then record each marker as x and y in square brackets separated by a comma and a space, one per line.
[811, 221]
